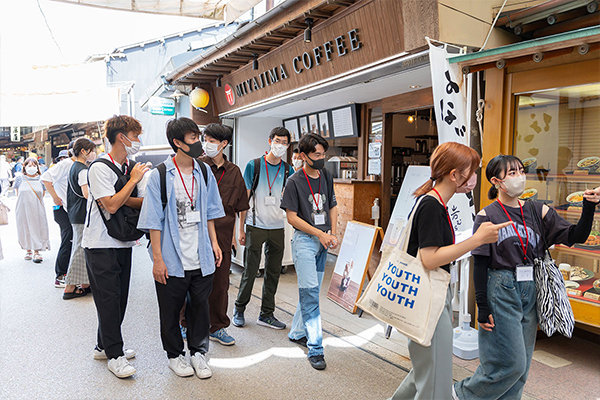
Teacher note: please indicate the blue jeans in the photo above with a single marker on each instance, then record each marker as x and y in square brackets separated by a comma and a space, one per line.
[309, 261]
[505, 352]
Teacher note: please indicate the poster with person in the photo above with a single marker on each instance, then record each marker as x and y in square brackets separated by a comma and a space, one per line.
[352, 262]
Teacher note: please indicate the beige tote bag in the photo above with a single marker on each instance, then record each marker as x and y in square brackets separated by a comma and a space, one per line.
[405, 295]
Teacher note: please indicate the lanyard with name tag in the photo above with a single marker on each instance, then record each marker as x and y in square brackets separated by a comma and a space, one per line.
[192, 217]
[524, 273]
[270, 201]
[319, 219]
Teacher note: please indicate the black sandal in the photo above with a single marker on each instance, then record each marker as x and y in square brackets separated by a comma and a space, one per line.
[78, 292]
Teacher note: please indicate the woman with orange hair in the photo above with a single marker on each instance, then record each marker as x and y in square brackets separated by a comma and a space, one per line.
[453, 170]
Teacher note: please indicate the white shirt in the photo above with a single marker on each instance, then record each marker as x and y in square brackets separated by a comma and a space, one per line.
[188, 233]
[58, 176]
[102, 184]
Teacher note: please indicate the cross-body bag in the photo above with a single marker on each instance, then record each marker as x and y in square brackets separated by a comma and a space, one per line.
[122, 225]
[404, 294]
[553, 306]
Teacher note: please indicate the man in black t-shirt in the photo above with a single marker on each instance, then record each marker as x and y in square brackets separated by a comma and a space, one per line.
[311, 208]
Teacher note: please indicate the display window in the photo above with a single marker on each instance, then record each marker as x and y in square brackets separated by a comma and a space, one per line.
[556, 136]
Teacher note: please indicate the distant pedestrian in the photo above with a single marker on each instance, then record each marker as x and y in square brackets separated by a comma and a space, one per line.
[55, 180]
[5, 174]
[77, 281]
[32, 225]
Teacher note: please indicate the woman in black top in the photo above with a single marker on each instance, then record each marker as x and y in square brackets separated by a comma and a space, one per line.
[504, 287]
[76, 280]
[453, 170]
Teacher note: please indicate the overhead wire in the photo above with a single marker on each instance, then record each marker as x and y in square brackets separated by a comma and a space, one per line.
[49, 28]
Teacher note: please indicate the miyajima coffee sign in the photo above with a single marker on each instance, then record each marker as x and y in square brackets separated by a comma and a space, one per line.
[301, 63]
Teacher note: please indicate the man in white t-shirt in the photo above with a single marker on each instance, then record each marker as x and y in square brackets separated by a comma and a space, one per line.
[55, 180]
[108, 259]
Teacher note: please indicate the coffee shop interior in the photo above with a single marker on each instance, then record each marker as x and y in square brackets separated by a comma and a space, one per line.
[375, 130]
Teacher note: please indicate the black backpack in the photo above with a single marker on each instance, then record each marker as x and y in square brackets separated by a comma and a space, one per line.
[122, 225]
[257, 163]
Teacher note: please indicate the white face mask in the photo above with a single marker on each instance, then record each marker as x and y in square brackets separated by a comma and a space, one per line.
[278, 150]
[134, 148]
[514, 186]
[297, 163]
[211, 149]
[31, 170]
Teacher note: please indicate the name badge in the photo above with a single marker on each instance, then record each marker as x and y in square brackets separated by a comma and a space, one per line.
[319, 219]
[453, 273]
[270, 201]
[524, 273]
[192, 217]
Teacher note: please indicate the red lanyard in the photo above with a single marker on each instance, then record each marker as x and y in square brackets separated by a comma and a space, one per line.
[311, 191]
[182, 181]
[523, 246]
[447, 214]
[274, 179]
[221, 178]
[113, 161]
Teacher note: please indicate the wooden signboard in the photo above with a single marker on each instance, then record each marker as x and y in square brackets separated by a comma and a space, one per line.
[353, 261]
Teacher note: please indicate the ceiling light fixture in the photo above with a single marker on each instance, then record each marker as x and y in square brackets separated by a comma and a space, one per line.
[308, 31]
[255, 62]
[218, 83]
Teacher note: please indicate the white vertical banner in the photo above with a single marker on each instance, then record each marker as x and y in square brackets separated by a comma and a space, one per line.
[450, 105]
[449, 97]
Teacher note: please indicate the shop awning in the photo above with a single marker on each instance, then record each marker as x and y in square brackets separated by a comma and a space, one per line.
[255, 39]
[228, 10]
[585, 39]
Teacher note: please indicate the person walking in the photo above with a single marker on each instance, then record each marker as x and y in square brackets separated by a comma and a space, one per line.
[235, 200]
[55, 180]
[76, 280]
[311, 208]
[453, 170]
[265, 179]
[505, 289]
[30, 213]
[5, 175]
[179, 211]
[108, 259]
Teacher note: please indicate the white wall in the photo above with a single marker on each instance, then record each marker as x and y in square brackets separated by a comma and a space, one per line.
[251, 138]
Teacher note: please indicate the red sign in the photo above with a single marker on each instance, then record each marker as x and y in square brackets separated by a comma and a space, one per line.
[229, 94]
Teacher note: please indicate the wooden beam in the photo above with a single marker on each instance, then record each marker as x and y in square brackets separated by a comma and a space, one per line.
[318, 14]
[281, 35]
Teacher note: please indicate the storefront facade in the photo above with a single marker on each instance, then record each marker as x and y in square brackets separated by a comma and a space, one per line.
[543, 105]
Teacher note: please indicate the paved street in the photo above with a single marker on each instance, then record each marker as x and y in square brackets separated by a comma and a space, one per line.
[47, 345]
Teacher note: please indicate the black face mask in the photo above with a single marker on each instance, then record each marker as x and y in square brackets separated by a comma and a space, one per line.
[317, 164]
[195, 150]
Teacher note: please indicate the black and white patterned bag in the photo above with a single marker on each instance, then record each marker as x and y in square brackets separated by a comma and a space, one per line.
[553, 307]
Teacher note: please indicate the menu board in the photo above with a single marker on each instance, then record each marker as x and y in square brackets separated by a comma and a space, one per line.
[343, 122]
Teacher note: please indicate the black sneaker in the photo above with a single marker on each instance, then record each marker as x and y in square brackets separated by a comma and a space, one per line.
[302, 341]
[317, 362]
[270, 322]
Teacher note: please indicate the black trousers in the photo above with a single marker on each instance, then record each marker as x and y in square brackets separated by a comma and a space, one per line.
[109, 271]
[193, 289]
[66, 240]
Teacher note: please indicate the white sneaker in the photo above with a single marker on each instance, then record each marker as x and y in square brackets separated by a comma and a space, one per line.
[454, 395]
[180, 366]
[101, 355]
[120, 367]
[200, 366]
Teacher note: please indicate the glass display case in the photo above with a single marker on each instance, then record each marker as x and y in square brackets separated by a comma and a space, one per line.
[556, 134]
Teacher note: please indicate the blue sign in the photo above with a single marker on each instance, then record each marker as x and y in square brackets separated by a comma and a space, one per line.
[161, 106]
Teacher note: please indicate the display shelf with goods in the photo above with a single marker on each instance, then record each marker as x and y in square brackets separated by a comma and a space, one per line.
[555, 134]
